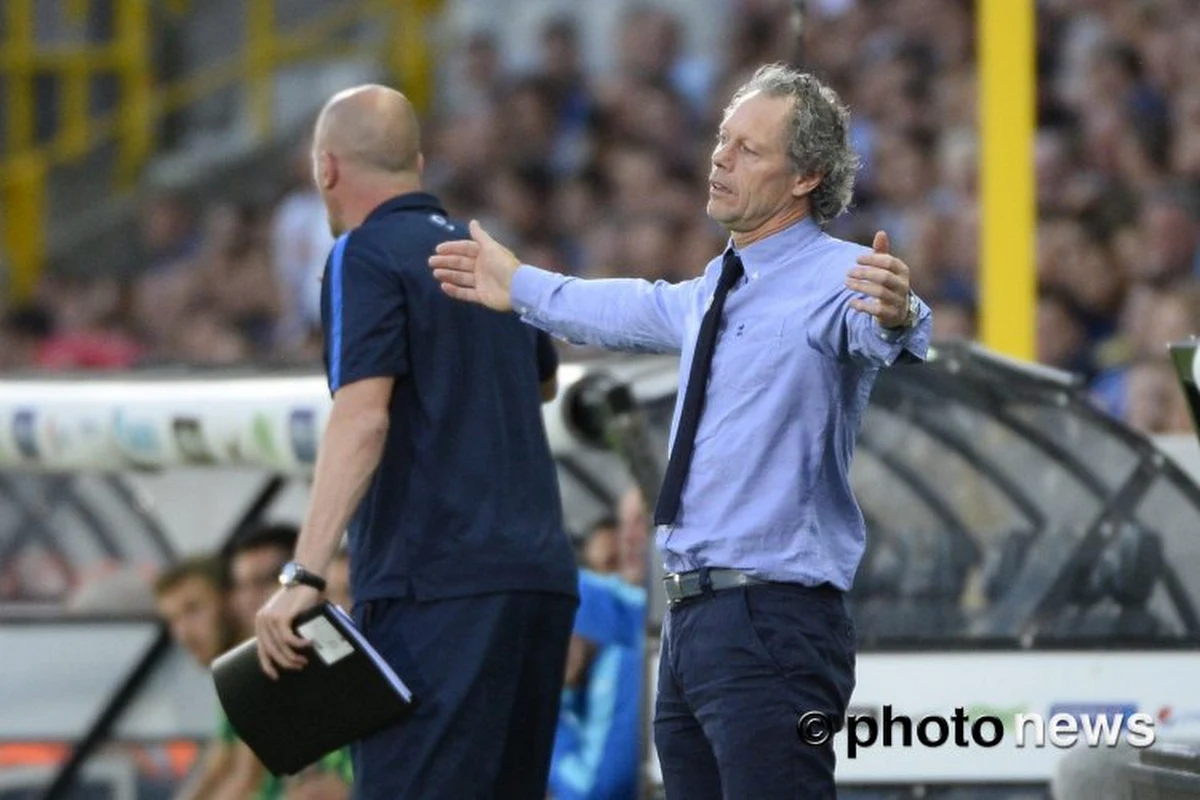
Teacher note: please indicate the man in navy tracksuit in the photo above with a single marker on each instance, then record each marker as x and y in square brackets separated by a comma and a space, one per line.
[436, 459]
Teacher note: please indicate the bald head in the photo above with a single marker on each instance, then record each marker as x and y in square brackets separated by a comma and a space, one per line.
[372, 127]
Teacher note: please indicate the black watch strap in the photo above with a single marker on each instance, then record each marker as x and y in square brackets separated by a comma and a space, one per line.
[294, 574]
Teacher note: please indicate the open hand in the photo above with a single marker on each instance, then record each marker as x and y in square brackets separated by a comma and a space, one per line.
[478, 270]
[278, 645]
[884, 279]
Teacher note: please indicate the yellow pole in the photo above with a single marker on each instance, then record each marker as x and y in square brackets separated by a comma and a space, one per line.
[260, 63]
[22, 182]
[136, 113]
[74, 107]
[1008, 279]
[20, 47]
[411, 57]
[23, 185]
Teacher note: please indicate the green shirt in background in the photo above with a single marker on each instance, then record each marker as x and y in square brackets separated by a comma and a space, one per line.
[337, 763]
[272, 788]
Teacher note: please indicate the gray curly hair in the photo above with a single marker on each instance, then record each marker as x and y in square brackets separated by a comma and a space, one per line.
[818, 134]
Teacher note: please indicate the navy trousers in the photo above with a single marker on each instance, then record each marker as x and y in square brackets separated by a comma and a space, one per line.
[738, 669]
[487, 671]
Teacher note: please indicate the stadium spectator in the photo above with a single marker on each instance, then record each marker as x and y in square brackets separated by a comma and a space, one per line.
[633, 536]
[87, 329]
[1155, 403]
[23, 330]
[597, 747]
[167, 279]
[600, 548]
[191, 599]
[255, 562]
[238, 274]
[300, 243]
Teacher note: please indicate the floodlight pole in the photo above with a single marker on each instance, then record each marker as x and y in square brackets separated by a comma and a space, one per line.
[1008, 205]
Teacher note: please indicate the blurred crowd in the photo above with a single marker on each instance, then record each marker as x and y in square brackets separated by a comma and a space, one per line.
[605, 174]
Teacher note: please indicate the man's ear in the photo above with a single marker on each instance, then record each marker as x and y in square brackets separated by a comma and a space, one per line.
[420, 163]
[325, 170]
[803, 186]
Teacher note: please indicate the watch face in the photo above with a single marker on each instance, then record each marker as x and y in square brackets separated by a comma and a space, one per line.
[287, 576]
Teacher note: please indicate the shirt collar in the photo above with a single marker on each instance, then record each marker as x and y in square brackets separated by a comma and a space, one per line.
[411, 201]
[771, 252]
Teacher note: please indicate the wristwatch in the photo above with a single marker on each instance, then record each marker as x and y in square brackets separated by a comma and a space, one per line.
[294, 573]
[910, 319]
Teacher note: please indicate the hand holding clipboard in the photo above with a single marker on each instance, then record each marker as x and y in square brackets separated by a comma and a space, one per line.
[344, 692]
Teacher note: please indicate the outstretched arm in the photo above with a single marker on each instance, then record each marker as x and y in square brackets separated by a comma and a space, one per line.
[619, 314]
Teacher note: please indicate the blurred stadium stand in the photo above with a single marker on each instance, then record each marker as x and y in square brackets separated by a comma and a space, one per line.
[580, 133]
[109, 101]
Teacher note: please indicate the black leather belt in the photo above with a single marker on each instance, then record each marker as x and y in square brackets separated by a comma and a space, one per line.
[685, 585]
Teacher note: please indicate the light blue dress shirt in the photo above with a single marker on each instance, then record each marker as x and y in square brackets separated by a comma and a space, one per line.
[768, 491]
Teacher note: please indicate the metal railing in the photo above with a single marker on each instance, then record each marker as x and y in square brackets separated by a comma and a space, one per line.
[140, 104]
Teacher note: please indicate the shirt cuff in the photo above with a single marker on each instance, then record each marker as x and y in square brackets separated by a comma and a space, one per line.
[907, 344]
[529, 288]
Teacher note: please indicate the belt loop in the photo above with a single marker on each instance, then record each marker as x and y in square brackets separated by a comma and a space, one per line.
[705, 581]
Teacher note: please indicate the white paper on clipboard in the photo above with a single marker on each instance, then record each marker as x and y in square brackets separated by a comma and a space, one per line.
[329, 643]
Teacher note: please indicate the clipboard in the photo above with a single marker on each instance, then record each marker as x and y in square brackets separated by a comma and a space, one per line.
[345, 692]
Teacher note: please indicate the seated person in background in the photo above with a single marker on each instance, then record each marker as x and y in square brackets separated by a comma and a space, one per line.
[190, 598]
[600, 547]
[597, 748]
[255, 560]
[633, 537]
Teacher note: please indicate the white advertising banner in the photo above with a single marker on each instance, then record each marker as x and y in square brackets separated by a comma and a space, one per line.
[111, 425]
[1047, 705]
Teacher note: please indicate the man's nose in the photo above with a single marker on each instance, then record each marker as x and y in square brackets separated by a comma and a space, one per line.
[720, 156]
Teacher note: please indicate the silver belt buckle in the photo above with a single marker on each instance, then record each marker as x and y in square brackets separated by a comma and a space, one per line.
[676, 579]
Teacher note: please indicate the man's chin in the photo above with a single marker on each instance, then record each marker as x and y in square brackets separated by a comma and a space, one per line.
[716, 213]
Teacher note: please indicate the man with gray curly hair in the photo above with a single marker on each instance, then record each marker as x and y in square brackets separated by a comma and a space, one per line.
[780, 339]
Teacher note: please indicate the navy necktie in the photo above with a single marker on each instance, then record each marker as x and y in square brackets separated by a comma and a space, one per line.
[667, 507]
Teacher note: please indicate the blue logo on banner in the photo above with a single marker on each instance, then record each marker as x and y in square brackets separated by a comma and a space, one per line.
[302, 431]
[24, 431]
[139, 440]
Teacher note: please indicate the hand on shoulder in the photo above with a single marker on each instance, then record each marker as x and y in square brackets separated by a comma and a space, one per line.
[476, 270]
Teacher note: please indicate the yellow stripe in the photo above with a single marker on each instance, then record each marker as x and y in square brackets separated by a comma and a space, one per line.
[23, 201]
[1007, 277]
[260, 63]
[19, 54]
